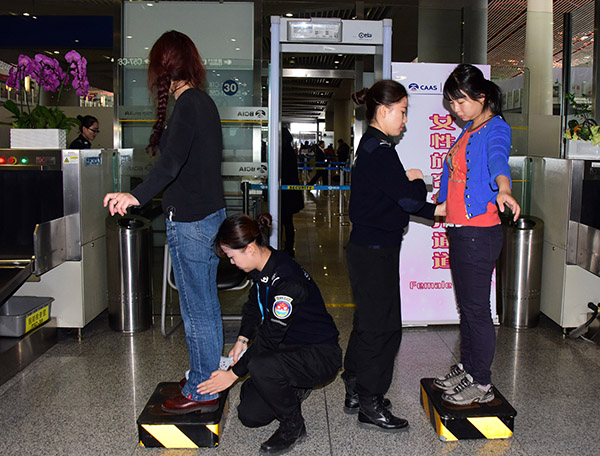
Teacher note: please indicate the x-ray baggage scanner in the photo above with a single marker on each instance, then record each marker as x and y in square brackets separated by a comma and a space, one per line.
[318, 36]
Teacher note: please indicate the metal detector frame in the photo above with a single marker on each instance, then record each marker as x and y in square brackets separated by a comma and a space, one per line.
[379, 46]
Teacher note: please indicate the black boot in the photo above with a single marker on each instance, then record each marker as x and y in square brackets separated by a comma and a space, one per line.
[373, 413]
[351, 405]
[288, 433]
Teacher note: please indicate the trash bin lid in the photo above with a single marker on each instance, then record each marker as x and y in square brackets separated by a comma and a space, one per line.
[525, 223]
[130, 223]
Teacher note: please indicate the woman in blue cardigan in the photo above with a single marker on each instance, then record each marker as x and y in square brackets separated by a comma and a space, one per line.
[475, 184]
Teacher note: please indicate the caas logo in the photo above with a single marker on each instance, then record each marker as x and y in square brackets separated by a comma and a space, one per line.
[413, 87]
[365, 35]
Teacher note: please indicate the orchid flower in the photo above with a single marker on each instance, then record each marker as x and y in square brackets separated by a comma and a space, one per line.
[49, 76]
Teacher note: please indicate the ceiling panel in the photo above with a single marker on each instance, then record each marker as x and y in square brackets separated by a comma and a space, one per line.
[507, 20]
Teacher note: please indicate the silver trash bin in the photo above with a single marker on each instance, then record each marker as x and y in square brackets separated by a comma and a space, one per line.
[521, 272]
[128, 250]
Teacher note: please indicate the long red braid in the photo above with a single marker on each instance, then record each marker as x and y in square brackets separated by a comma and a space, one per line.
[174, 57]
[162, 97]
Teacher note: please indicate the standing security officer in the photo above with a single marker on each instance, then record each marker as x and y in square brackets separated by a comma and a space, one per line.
[382, 196]
[295, 341]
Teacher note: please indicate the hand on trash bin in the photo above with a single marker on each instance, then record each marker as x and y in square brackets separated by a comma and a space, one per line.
[505, 200]
[119, 202]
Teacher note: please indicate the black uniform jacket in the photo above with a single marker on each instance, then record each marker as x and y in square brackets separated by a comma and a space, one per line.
[80, 143]
[284, 307]
[381, 196]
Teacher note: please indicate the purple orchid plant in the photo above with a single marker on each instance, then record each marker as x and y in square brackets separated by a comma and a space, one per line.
[49, 76]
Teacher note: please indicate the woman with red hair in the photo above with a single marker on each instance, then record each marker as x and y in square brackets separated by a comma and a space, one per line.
[189, 171]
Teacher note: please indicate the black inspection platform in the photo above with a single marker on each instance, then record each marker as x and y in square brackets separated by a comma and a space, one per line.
[494, 420]
[157, 428]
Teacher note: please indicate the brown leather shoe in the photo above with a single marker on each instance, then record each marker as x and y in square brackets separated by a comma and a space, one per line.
[181, 405]
[182, 382]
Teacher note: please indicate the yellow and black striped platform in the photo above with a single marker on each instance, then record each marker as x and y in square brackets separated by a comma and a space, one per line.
[166, 430]
[494, 420]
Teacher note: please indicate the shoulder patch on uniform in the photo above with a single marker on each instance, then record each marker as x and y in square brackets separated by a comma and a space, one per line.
[371, 144]
[282, 307]
[306, 274]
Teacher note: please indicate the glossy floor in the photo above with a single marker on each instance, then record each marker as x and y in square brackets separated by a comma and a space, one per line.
[84, 398]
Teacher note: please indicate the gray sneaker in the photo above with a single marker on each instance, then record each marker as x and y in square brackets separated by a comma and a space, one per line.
[469, 391]
[451, 379]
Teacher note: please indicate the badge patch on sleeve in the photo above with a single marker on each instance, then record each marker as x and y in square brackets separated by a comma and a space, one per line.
[282, 308]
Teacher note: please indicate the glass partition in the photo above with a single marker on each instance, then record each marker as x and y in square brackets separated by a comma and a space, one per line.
[582, 62]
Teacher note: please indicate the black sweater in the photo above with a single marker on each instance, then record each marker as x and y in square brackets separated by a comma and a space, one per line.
[381, 196]
[284, 307]
[189, 166]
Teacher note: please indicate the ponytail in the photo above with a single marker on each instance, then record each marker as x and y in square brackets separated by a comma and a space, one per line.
[239, 231]
[493, 98]
[86, 121]
[386, 93]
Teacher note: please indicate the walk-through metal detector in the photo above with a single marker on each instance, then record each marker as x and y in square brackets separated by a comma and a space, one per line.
[318, 35]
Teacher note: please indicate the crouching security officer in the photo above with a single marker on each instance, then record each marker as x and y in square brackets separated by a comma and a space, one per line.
[295, 341]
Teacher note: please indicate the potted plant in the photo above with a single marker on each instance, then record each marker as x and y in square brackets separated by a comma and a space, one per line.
[41, 126]
[582, 132]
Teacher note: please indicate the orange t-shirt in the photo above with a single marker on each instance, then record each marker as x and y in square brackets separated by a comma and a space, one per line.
[456, 211]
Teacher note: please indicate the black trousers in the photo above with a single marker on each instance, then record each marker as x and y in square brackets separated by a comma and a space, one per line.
[271, 391]
[473, 254]
[377, 329]
[287, 222]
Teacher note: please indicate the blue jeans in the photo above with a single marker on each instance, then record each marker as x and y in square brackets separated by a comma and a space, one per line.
[473, 254]
[195, 270]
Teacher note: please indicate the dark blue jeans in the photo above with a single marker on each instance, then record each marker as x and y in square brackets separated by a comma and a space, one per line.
[473, 255]
[195, 270]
